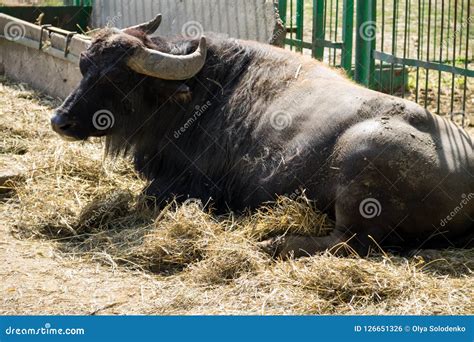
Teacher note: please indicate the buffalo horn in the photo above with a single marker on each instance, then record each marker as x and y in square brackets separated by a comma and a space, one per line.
[148, 27]
[167, 66]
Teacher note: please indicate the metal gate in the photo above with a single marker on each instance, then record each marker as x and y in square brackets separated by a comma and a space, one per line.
[419, 49]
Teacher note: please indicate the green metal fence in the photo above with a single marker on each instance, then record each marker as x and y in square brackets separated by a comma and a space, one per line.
[314, 34]
[420, 49]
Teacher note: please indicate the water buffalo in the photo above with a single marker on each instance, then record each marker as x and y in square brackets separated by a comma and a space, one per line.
[239, 122]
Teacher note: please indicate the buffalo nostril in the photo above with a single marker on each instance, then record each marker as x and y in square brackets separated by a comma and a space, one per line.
[60, 123]
[67, 125]
[64, 127]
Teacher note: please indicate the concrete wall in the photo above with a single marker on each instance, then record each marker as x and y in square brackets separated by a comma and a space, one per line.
[51, 75]
[245, 19]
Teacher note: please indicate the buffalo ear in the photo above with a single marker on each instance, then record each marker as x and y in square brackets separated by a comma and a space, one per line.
[176, 91]
[182, 94]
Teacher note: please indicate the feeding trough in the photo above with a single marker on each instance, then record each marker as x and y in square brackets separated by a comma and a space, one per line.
[44, 56]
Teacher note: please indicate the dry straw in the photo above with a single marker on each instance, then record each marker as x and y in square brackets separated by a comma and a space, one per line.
[85, 215]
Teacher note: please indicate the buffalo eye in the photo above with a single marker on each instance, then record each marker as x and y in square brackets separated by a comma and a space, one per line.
[114, 75]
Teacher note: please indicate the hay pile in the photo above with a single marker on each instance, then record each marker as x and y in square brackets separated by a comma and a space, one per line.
[76, 237]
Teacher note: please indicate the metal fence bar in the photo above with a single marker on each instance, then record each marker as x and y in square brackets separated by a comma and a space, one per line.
[438, 104]
[347, 35]
[428, 52]
[460, 31]
[291, 25]
[335, 30]
[418, 52]
[405, 36]
[364, 63]
[409, 25]
[382, 46]
[466, 58]
[330, 26]
[423, 64]
[282, 8]
[394, 40]
[454, 52]
[449, 27]
[299, 24]
[435, 28]
[318, 28]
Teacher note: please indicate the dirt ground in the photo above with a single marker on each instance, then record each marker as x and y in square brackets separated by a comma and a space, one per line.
[75, 239]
